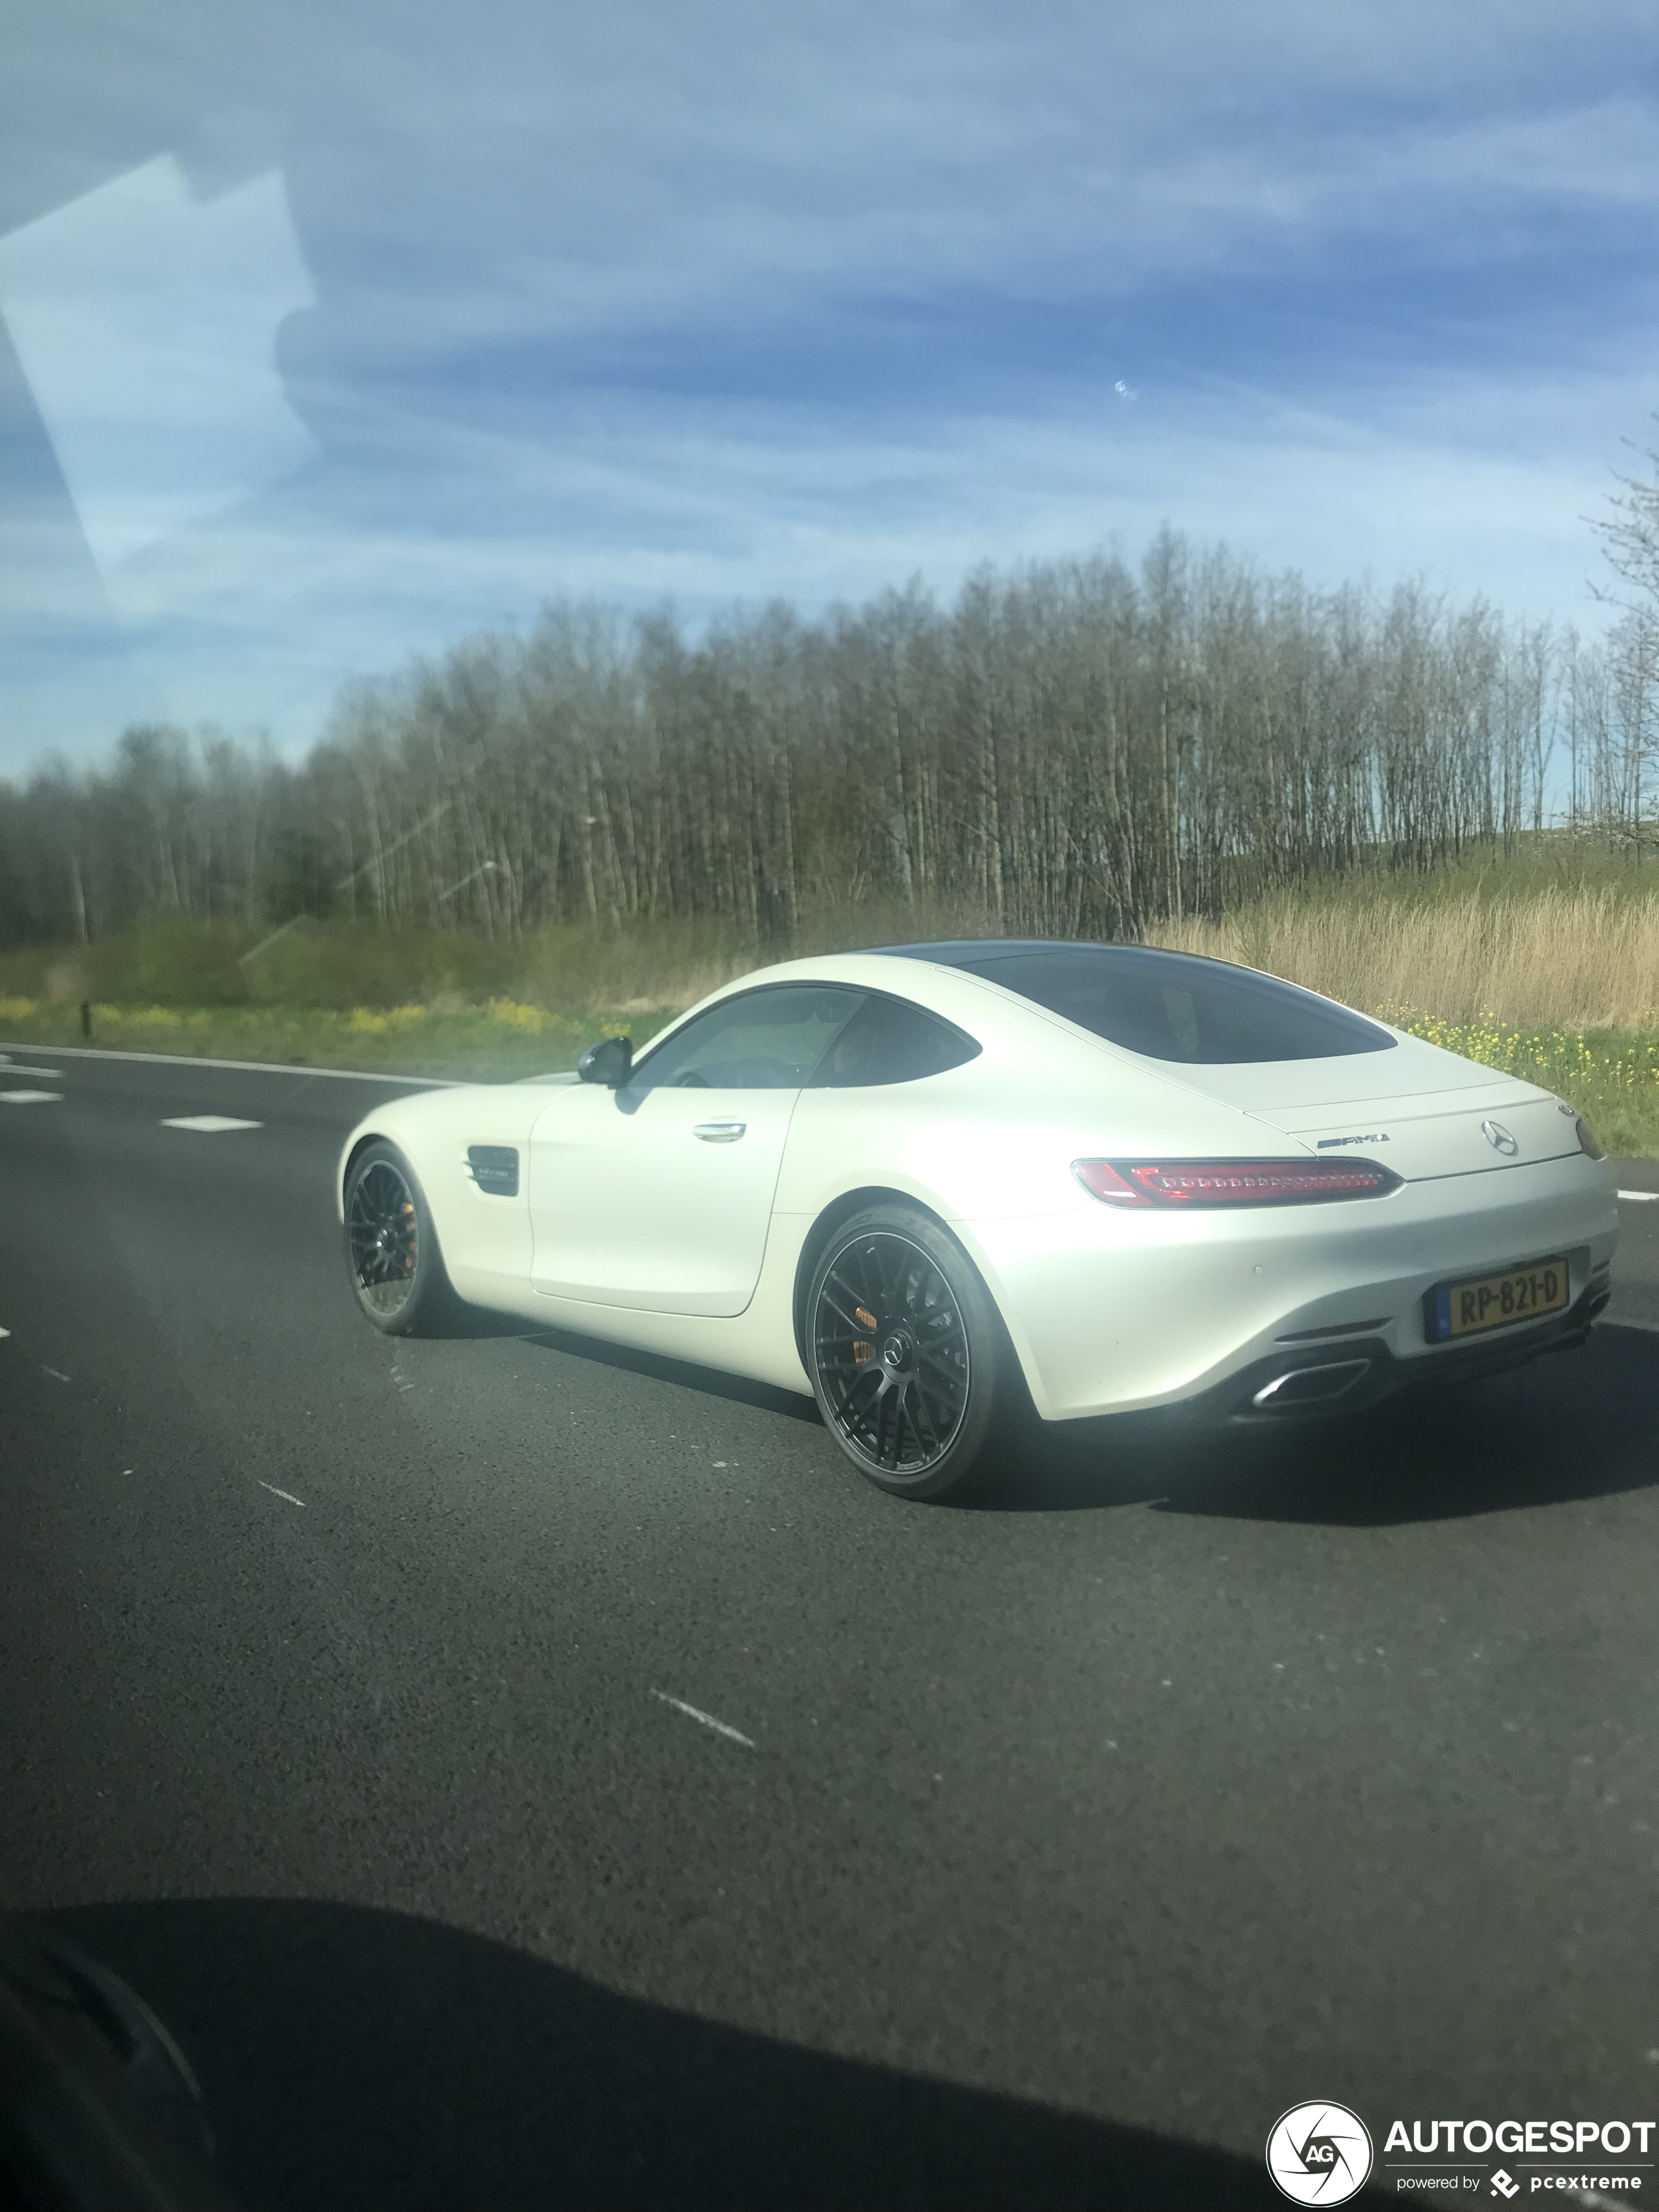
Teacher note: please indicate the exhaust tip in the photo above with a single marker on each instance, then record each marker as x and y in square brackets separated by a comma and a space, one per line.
[1310, 1386]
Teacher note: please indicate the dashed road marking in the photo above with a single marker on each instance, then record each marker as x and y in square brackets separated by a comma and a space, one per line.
[6, 1331]
[16, 1067]
[211, 1125]
[31, 1097]
[274, 1492]
[696, 1713]
[1643, 1197]
[55, 1375]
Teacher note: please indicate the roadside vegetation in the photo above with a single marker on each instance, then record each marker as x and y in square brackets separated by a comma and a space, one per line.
[490, 859]
[496, 1042]
[1545, 966]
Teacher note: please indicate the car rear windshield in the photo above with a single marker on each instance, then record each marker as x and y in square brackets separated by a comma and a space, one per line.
[1170, 1006]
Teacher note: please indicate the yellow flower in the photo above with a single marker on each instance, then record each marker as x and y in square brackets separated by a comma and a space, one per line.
[511, 1015]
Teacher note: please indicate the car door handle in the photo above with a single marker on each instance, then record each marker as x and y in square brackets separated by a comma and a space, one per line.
[720, 1133]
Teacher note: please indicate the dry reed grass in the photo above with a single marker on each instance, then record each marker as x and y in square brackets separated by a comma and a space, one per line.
[1576, 957]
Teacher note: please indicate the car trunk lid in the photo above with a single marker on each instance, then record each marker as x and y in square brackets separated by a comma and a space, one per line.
[1417, 1109]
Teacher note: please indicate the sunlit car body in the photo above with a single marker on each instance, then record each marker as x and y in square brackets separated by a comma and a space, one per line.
[1023, 1102]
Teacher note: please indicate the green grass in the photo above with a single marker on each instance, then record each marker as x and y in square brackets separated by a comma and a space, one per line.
[482, 1043]
[342, 966]
[1611, 1076]
[173, 962]
[450, 1002]
[1553, 860]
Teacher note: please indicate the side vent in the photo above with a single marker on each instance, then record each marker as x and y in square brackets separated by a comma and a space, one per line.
[494, 1169]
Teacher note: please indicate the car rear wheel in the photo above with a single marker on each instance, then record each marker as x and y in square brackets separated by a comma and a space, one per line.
[909, 1361]
[391, 1246]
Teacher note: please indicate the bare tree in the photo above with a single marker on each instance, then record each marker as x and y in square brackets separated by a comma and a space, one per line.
[1072, 747]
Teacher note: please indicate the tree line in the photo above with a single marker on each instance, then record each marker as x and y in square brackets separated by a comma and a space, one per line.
[1073, 748]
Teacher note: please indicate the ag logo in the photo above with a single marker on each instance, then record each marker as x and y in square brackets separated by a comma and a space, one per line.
[1319, 2154]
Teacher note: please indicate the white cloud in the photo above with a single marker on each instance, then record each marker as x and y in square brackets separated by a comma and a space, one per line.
[263, 612]
[501, 204]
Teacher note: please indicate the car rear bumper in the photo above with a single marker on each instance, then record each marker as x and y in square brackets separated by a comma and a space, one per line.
[1309, 1382]
[1116, 1312]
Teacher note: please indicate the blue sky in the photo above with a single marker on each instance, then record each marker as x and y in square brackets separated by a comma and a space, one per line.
[334, 331]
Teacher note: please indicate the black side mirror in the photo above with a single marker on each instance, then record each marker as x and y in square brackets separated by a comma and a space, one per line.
[610, 1063]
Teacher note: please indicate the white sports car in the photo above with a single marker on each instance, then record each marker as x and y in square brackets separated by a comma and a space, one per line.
[942, 1186]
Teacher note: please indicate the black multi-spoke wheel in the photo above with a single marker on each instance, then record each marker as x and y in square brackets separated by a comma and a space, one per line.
[391, 1250]
[906, 1352]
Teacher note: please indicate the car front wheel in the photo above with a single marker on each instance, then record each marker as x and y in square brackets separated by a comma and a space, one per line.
[391, 1246]
[908, 1359]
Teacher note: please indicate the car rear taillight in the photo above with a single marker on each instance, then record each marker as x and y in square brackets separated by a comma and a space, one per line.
[1231, 1182]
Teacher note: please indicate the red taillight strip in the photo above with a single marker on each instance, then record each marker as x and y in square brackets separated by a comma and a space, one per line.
[1231, 1182]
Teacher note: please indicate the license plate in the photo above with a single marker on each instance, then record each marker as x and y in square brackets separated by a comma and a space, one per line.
[1494, 1301]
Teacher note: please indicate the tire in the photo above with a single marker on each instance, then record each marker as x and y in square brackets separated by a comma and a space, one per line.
[392, 1256]
[909, 1361]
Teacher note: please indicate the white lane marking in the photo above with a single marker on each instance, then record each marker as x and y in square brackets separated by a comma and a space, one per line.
[1646, 1197]
[56, 1377]
[30, 1097]
[6, 1331]
[211, 1125]
[696, 1713]
[16, 1067]
[274, 1492]
[264, 1068]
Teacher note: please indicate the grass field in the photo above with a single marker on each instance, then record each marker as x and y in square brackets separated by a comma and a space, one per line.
[496, 1041]
[1546, 967]
[1584, 957]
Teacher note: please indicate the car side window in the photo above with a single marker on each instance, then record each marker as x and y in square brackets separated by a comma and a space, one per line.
[766, 1040]
[890, 1041]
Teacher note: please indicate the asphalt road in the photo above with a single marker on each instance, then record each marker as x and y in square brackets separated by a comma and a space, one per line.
[1075, 1837]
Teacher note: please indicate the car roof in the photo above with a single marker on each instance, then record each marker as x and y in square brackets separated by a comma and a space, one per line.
[958, 951]
[972, 951]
